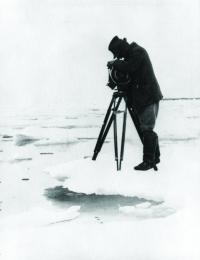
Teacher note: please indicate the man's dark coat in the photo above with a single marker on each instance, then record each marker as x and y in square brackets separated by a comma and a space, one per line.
[144, 89]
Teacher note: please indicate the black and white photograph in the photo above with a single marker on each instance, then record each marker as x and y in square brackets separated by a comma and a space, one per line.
[99, 129]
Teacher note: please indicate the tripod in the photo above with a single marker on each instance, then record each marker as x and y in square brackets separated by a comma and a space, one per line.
[112, 118]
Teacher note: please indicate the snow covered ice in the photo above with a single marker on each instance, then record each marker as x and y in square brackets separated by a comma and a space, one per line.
[56, 203]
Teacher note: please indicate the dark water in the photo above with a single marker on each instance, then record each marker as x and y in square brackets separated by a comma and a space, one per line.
[92, 203]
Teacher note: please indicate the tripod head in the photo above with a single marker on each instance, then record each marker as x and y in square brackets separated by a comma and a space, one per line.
[119, 93]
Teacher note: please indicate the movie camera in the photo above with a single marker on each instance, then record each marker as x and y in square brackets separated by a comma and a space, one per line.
[116, 78]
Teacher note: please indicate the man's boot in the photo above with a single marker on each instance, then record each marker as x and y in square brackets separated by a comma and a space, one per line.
[150, 143]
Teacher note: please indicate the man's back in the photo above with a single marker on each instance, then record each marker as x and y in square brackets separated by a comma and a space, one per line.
[145, 89]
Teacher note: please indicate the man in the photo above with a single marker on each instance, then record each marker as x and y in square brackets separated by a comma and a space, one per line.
[143, 94]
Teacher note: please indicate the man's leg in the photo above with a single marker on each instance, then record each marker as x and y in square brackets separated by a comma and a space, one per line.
[151, 151]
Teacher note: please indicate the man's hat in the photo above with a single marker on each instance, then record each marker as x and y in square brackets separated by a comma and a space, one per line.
[115, 44]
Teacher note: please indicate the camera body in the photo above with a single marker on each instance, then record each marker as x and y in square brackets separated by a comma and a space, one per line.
[117, 79]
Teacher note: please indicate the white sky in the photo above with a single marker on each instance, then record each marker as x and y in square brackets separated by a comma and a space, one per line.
[55, 51]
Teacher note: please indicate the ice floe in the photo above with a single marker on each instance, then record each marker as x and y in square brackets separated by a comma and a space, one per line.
[147, 210]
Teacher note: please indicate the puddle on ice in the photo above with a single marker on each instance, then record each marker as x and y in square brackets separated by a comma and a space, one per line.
[18, 160]
[193, 117]
[108, 206]
[7, 136]
[71, 117]
[172, 140]
[52, 143]
[71, 126]
[86, 138]
[46, 153]
[22, 140]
